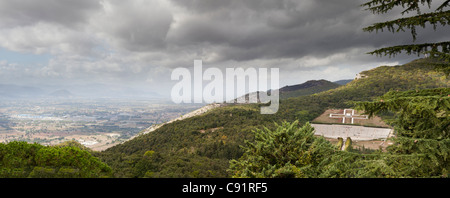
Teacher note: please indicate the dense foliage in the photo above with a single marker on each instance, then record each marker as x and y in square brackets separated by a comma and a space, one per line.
[422, 121]
[421, 113]
[422, 125]
[287, 151]
[293, 151]
[21, 159]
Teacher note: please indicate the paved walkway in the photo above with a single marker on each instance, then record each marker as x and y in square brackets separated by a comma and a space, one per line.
[354, 132]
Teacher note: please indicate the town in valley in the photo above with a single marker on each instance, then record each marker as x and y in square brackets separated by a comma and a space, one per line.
[95, 123]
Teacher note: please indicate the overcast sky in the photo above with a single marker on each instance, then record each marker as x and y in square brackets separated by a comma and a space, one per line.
[137, 43]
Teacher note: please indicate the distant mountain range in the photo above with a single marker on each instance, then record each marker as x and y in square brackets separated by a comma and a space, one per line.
[62, 93]
[17, 91]
[307, 88]
[8, 91]
[343, 82]
[11, 91]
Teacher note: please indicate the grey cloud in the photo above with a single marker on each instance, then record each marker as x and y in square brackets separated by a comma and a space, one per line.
[47, 26]
[62, 12]
[249, 29]
[128, 41]
[135, 25]
[270, 29]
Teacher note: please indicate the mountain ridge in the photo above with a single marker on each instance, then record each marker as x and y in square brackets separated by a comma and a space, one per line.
[307, 84]
[343, 82]
[61, 93]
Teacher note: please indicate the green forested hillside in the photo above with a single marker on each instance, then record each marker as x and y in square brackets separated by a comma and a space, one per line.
[21, 159]
[202, 146]
[421, 147]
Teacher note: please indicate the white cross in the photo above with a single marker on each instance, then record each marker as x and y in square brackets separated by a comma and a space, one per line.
[348, 115]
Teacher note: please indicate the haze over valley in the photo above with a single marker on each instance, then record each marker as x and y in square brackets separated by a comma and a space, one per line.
[95, 123]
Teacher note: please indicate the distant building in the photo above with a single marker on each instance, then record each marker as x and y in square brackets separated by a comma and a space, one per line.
[359, 76]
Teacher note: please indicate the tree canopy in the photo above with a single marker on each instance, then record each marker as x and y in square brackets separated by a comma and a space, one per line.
[287, 151]
[21, 159]
[420, 113]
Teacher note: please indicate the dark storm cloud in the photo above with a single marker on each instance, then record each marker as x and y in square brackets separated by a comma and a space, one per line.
[252, 29]
[135, 25]
[271, 29]
[238, 30]
[143, 40]
[63, 12]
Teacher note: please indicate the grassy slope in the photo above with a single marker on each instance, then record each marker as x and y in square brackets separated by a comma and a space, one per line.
[182, 150]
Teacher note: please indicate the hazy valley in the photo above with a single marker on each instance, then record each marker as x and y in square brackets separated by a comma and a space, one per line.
[95, 123]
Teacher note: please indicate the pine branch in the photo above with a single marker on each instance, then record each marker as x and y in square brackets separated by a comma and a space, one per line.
[383, 6]
[425, 92]
[413, 103]
[425, 48]
[437, 98]
[439, 17]
[421, 140]
[434, 18]
[425, 113]
[443, 5]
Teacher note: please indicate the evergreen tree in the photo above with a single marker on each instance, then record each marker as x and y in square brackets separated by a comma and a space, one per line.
[440, 16]
[420, 113]
[288, 151]
[422, 126]
[422, 123]
[21, 159]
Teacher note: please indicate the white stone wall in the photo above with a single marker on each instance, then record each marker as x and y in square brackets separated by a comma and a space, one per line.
[354, 132]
